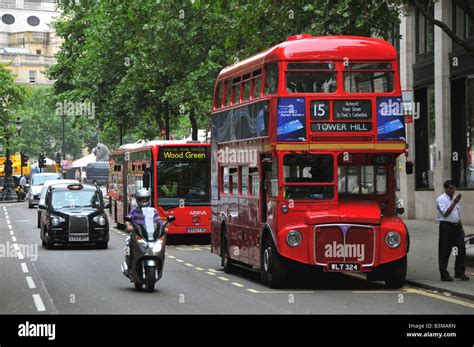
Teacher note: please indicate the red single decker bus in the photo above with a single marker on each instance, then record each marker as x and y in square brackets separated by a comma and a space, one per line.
[177, 174]
[305, 137]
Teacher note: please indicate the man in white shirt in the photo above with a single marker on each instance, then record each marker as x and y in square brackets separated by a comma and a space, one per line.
[451, 233]
[23, 181]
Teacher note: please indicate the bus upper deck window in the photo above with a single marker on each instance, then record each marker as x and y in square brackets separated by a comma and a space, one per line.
[311, 78]
[219, 95]
[228, 92]
[236, 90]
[271, 78]
[257, 83]
[368, 78]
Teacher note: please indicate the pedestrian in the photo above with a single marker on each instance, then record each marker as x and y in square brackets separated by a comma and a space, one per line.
[451, 233]
[23, 181]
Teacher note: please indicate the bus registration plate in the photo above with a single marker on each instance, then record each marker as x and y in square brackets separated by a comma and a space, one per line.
[344, 267]
[196, 230]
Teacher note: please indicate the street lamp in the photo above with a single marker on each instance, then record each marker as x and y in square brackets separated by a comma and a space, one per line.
[8, 193]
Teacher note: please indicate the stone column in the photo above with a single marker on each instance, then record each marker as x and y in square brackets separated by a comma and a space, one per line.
[442, 85]
[407, 59]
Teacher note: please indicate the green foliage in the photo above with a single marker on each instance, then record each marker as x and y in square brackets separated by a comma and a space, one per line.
[42, 127]
[12, 96]
[135, 58]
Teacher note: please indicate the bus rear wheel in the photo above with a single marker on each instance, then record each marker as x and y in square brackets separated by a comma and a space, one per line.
[274, 270]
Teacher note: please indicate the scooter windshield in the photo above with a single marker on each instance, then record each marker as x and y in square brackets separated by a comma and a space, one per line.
[149, 214]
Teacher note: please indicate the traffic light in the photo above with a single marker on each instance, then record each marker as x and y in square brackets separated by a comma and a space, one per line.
[24, 159]
[41, 161]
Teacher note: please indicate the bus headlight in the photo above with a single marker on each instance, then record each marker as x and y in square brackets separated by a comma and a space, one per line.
[393, 239]
[294, 238]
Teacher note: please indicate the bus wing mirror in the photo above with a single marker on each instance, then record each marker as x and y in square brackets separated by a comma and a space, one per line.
[409, 167]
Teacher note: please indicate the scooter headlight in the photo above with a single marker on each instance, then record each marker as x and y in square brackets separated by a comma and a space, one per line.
[158, 246]
[142, 243]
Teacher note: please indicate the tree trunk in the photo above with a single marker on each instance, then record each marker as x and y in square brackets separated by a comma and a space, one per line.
[194, 125]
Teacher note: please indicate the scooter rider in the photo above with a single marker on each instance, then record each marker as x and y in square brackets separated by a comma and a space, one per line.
[136, 215]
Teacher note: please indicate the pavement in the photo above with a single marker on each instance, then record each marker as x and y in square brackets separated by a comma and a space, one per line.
[423, 261]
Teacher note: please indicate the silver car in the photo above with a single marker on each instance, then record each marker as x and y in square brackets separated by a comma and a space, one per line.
[37, 182]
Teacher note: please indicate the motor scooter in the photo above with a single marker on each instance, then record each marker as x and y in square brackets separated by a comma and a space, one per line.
[146, 251]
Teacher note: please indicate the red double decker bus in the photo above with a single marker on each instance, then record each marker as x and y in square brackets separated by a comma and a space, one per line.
[305, 137]
[177, 174]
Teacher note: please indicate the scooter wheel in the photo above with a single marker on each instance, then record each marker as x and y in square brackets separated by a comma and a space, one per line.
[150, 278]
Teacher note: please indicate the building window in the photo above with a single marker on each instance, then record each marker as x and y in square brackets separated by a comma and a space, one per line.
[462, 133]
[8, 19]
[33, 21]
[425, 148]
[425, 33]
[463, 25]
[32, 76]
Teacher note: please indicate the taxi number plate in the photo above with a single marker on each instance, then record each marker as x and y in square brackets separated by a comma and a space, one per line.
[78, 238]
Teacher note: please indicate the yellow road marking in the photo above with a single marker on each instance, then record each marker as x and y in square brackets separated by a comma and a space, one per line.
[439, 297]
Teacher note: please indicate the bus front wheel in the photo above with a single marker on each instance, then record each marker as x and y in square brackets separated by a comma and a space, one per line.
[226, 261]
[396, 274]
[273, 267]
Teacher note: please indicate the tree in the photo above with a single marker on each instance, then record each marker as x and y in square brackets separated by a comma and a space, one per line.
[42, 127]
[137, 60]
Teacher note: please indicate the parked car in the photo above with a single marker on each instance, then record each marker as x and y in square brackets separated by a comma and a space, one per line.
[74, 214]
[45, 189]
[37, 182]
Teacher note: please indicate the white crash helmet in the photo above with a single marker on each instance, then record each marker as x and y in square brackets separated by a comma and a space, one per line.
[143, 198]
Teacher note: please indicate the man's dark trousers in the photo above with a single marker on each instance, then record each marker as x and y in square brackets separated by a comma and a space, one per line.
[451, 235]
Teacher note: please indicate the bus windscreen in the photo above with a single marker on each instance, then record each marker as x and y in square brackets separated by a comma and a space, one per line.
[183, 176]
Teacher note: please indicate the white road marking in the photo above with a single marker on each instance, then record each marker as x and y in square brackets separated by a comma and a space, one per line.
[253, 291]
[24, 268]
[238, 284]
[188, 264]
[223, 279]
[11, 232]
[211, 273]
[10, 227]
[16, 247]
[8, 221]
[180, 261]
[172, 256]
[20, 256]
[39, 303]
[13, 238]
[199, 268]
[30, 282]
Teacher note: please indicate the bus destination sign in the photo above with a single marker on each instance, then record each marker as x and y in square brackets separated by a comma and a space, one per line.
[184, 153]
[352, 110]
[341, 127]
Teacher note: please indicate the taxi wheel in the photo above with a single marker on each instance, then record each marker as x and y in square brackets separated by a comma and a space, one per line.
[46, 243]
[102, 245]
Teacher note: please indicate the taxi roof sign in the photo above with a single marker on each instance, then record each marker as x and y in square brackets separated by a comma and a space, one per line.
[75, 186]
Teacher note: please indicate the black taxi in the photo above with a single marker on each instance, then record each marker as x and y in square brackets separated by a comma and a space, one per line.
[74, 214]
